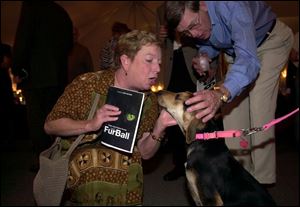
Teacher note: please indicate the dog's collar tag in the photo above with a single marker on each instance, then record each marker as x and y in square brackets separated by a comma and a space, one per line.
[244, 143]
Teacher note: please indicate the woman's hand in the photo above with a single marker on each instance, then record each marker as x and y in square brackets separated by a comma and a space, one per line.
[165, 119]
[106, 113]
[71, 127]
[147, 145]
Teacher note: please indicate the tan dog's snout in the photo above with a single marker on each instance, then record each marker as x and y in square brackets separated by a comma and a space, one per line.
[174, 103]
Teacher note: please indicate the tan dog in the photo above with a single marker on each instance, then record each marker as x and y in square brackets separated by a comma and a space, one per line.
[213, 175]
[174, 104]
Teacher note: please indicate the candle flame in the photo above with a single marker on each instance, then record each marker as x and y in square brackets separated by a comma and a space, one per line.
[158, 87]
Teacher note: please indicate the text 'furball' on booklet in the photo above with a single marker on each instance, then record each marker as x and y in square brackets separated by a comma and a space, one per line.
[121, 134]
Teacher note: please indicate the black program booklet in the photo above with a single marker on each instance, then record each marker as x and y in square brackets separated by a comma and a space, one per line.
[121, 134]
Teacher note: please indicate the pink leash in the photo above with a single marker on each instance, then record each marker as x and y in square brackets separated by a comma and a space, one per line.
[242, 132]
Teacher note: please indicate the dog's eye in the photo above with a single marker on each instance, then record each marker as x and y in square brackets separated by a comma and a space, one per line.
[177, 96]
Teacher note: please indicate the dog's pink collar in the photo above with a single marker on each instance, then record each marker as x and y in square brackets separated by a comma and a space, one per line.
[242, 132]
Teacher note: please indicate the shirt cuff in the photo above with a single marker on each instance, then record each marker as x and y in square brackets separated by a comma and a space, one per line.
[233, 88]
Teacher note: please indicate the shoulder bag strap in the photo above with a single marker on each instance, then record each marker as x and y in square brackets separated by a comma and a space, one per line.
[80, 137]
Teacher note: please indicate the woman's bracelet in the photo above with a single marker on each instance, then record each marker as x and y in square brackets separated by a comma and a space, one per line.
[158, 139]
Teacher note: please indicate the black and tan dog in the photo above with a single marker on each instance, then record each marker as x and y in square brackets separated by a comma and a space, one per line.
[214, 176]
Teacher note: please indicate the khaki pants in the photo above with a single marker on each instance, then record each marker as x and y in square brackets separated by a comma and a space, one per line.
[256, 106]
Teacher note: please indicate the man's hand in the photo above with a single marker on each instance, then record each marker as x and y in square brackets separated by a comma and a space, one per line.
[206, 103]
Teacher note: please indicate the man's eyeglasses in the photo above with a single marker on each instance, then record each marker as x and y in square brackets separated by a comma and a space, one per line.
[195, 22]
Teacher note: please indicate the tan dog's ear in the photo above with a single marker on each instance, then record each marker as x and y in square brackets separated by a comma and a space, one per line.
[195, 125]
